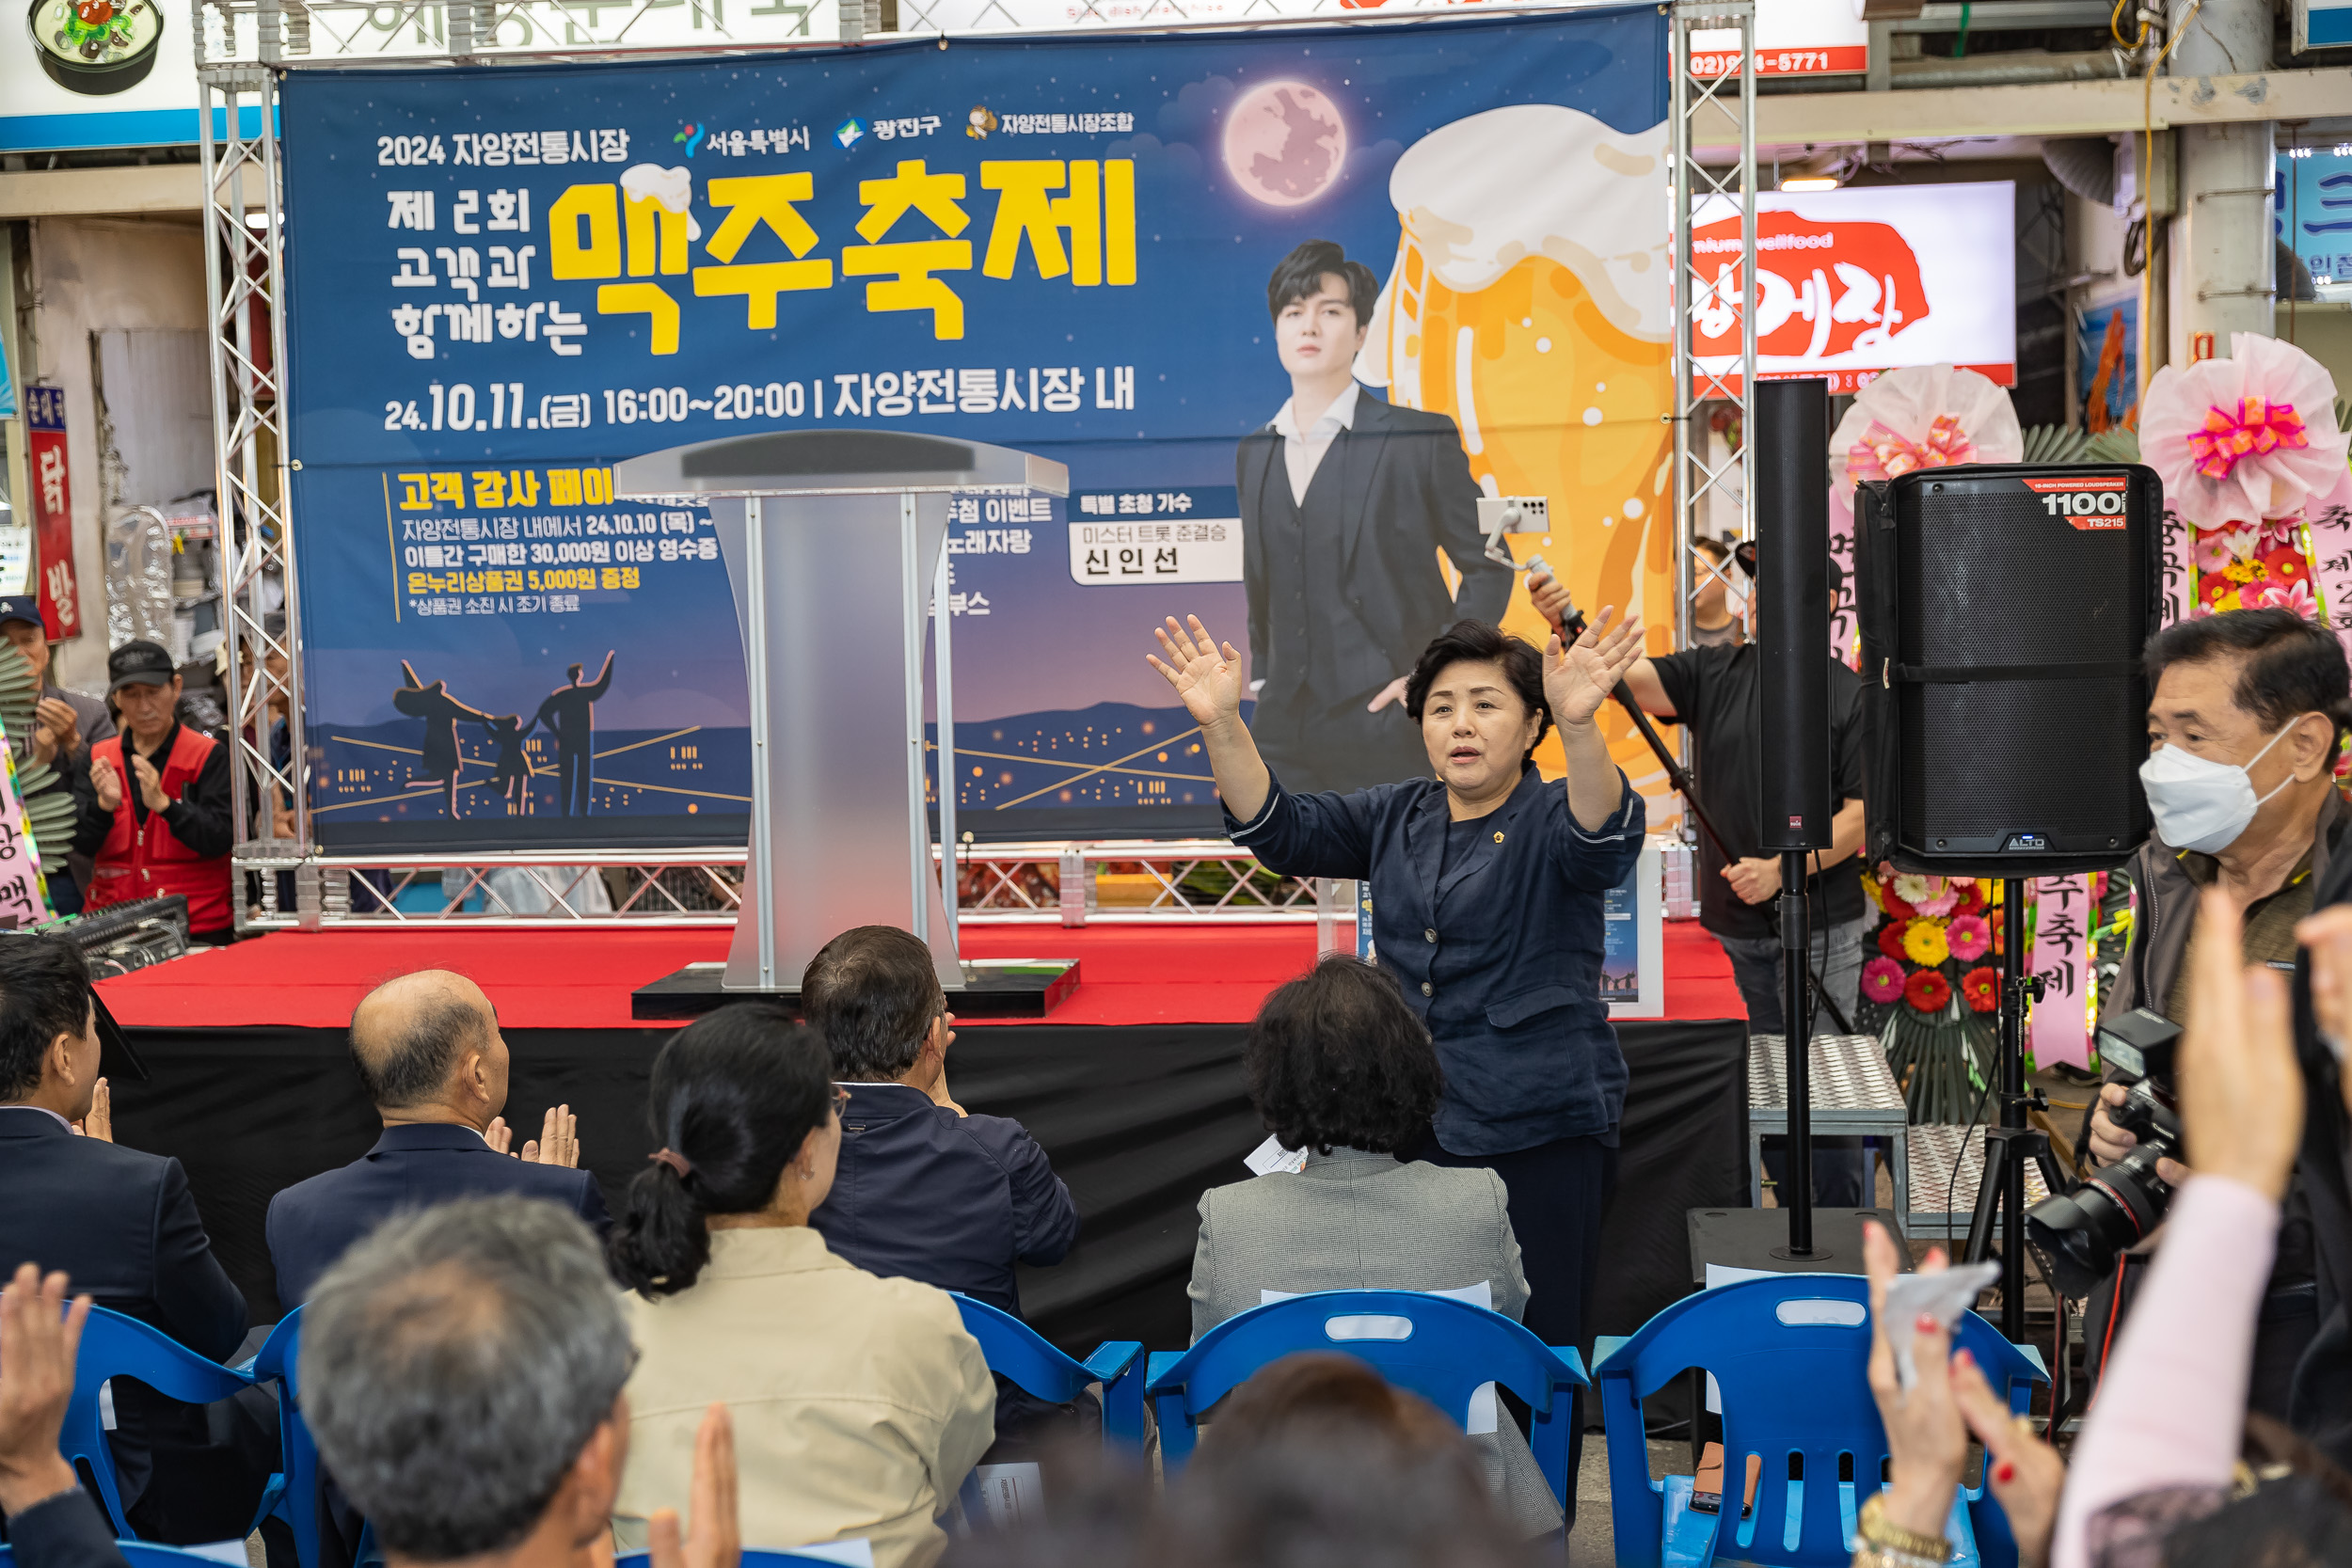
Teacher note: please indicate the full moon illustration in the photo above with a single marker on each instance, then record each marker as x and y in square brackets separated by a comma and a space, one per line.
[1284, 143]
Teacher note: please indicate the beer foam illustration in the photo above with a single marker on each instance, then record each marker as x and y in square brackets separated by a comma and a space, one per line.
[673, 189]
[1484, 192]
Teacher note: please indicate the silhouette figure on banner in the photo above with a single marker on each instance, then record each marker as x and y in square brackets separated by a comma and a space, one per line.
[568, 715]
[509, 776]
[442, 714]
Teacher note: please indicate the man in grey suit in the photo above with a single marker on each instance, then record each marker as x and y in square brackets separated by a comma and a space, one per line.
[1338, 1067]
[1345, 501]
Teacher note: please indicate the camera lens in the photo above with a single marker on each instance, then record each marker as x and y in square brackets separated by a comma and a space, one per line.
[2078, 1237]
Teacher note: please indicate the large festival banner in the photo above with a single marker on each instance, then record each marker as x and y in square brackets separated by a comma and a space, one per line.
[504, 280]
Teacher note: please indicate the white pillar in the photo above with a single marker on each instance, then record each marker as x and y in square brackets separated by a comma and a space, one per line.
[2223, 247]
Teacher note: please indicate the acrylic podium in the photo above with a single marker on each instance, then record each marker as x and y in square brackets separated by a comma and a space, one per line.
[835, 543]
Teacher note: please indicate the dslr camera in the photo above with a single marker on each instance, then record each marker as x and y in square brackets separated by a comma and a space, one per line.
[2078, 1236]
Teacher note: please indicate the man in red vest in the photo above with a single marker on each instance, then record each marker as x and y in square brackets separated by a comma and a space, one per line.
[163, 826]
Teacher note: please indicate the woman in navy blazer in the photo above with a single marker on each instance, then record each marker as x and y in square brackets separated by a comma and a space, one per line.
[1486, 888]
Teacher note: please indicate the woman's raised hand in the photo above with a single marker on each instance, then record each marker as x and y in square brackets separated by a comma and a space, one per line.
[1209, 682]
[1578, 678]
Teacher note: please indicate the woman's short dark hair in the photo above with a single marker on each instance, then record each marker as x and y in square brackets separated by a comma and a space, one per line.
[1300, 276]
[735, 1094]
[1336, 1059]
[1476, 643]
[2292, 666]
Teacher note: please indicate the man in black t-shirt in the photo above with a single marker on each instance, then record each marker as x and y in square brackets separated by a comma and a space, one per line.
[1712, 692]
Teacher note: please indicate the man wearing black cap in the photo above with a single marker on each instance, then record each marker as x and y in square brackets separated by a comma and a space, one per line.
[64, 724]
[161, 826]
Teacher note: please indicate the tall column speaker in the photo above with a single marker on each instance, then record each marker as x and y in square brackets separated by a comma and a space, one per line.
[2003, 611]
[1792, 597]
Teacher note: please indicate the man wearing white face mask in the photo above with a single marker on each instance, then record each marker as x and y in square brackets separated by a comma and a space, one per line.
[2247, 712]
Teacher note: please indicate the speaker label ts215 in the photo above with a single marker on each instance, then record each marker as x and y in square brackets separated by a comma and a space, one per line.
[2087, 503]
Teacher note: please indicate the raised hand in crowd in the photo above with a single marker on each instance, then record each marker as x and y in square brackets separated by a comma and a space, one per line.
[713, 1538]
[40, 1337]
[1550, 596]
[106, 780]
[1928, 1427]
[100, 1123]
[57, 729]
[558, 1143]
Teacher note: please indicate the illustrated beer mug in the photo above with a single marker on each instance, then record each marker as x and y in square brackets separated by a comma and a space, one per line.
[1530, 300]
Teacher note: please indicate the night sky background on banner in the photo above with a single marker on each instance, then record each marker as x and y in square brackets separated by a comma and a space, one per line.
[491, 558]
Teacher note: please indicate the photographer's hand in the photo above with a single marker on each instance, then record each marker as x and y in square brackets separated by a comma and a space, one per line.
[2241, 1089]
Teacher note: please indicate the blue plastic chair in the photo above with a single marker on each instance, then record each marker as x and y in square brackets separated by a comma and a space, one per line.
[1790, 1354]
[753, 1557]
[140, 1554]
[1016, 1351]
[298, 1451]
[1442, 1349]
[115, 1346]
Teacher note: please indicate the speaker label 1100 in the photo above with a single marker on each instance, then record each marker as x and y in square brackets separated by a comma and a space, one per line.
[2087, 503]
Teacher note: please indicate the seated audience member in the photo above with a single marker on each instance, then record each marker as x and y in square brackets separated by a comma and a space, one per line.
[924, 1190]
[861, 1403]
[1340, 1067]
[462, 1369]
[124, 1224]
[429, 1054]
[1314, 1463]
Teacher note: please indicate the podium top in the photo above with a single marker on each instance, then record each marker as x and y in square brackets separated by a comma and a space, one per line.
[835, 463]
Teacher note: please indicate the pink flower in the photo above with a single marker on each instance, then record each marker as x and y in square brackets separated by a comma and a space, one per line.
[1942, 894]
[2219, 548]
[2296, 596]
[2243, 440]
[1883, 980]
[1969, 937]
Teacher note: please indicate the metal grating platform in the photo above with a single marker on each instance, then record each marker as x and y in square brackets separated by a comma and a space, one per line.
[1933, 1150]
[1853, 1095]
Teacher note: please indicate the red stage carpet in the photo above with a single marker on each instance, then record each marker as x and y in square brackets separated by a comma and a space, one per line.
[559, 979]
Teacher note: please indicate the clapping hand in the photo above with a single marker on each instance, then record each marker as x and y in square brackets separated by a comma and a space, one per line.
[1209, 685]
[558, 1143]
[106, 781]
[715, 1537]
[40, 1337]
[99, 1121]
[1928, 1424]
[1579, 677]
[150, 783]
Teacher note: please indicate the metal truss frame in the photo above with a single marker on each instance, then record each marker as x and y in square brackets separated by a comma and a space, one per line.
[1194, 881]
[242, 47]
[1694, 94]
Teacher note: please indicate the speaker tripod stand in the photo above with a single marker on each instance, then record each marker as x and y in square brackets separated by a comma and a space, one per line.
[2001, 1185]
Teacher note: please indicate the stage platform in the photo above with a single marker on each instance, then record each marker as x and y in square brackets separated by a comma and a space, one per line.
[1134, 1085]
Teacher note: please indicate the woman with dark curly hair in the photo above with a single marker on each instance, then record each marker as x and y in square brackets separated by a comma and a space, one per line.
[1341, 1067]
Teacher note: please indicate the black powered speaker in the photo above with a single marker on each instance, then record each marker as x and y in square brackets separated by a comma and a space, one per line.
[2003, 611]
[1789, 444]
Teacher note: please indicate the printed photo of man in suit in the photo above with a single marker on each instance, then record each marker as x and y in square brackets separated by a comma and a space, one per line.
[1345, 503]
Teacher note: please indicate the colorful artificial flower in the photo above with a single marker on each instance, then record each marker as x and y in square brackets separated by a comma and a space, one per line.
[2286, 565]
[2243, 440]
[1927, 990]
[2296, 596]
[1968, 937]
[1924, 943]
[1883, 980]
[1972, 897]
[2242, 571]
[1945, 898]
[1891, 939]
[1892, 902]
[1983, 990]
[1999, 919]
[1914, 889]
[2218, 593]
[2220, 549]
